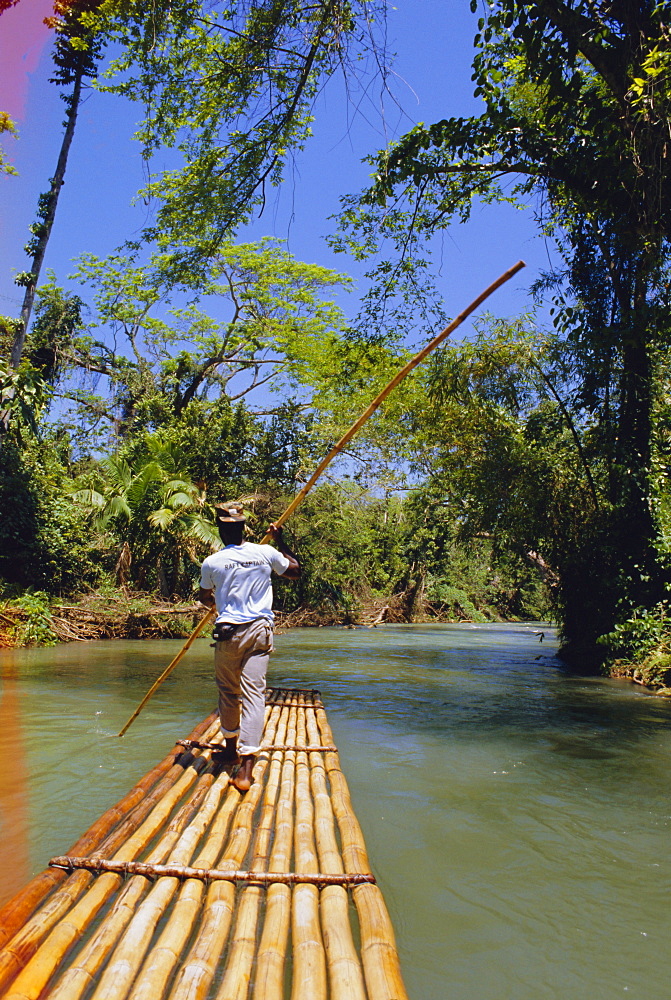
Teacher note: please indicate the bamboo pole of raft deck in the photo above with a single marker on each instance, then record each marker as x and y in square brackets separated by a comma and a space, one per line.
[378, 946]
[19, 950]
[34, 977]
[18, 909]
[164, 957]
[309, 962]
[345, 439]
[200, 964]
[345, 972]
[272, 949]
[78, 977]
[235, 981]
[32, 980]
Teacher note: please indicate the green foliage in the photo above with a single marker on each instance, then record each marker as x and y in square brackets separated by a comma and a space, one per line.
[35, 627]
[57, 325]
[231, 87]
[647, 631]
[24, 395]
[158, 514]
[575, 119]
[497, 461]
[349, 545]
[455, 601]
[8, 126]
[640, 646]
[280, 330]
[44, 542]
[79, 44]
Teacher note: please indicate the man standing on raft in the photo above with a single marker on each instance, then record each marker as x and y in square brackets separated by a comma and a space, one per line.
[237, 580]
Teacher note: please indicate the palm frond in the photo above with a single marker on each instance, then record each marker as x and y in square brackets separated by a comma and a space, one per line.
[117, 472]
[176, 500]
[198, 527]
[148, 476]
[117, 507]
[90, 498]
[162, 518]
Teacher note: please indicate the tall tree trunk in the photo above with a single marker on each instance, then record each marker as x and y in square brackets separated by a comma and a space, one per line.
[47, 213]
[636, 528]
[416, 601]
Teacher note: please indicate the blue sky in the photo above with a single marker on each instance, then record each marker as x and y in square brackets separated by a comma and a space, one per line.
[431, 80]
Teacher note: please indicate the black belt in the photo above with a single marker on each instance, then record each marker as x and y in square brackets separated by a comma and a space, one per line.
[225, 630]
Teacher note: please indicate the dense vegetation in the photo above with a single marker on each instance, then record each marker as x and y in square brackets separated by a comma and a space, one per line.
[521, 472]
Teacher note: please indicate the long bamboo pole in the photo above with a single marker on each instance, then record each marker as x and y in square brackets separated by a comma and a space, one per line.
[337, 448]
[397, 379]
[309, 980]
[169, 669]
[271, 956]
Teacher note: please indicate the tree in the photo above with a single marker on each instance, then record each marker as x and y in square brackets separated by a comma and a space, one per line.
[154, 361]
[507, 450]
[160, 515]
[44, 543]
[231, 87]
[76, 52]
[577, 102]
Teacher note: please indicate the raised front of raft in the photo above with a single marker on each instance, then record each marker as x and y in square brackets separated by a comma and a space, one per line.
[188, 888]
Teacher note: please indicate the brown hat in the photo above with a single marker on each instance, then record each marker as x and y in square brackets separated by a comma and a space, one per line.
[229, 513]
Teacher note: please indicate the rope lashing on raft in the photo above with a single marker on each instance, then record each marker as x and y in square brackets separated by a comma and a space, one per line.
[198, 745]
[97, 865]
[290, 697]
[274, 693]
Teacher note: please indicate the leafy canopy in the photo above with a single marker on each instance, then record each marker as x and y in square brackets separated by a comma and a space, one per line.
[230, 87]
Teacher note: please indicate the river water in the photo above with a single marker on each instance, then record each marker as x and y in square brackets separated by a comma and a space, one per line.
[517, 817]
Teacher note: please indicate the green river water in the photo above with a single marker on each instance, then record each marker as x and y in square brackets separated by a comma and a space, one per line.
[517, 817]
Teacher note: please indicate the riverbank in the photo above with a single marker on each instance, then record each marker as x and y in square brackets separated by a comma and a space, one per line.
[650, 674]
[34, 619]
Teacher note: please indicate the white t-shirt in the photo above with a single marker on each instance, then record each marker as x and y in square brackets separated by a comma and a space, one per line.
[240, 575]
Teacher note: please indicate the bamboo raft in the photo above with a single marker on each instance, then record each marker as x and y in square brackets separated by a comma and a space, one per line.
[188, 888]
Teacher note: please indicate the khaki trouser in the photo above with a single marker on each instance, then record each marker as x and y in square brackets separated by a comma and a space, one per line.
[240, 665]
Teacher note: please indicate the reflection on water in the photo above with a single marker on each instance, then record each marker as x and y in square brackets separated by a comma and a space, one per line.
[517, 817]
[14, 862]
